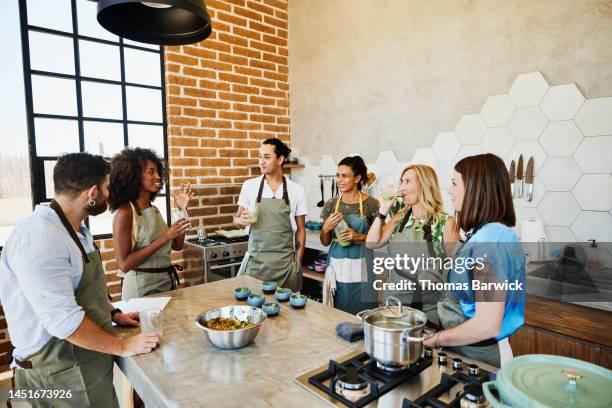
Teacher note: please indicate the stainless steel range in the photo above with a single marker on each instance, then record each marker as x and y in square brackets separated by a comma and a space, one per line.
[436, 380]
[219, 256]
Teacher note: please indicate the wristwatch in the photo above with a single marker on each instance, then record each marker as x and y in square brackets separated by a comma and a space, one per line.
[383, 217]
[114, 312]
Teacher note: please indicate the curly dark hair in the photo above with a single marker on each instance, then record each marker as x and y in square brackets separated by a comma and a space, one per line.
[126, 175]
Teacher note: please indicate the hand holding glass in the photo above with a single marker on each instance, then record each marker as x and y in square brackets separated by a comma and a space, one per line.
[152, 321]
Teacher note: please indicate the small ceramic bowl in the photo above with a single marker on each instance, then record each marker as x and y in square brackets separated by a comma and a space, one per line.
[268, 287]
[256, 300]
[242, 293]
[298, 301]
[282, 294]
[271, 308]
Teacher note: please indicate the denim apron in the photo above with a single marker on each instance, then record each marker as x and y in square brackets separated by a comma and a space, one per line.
[271, 252]
[346, 265]
[61, 365]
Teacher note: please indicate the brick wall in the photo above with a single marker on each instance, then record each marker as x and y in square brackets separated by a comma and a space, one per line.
[224, 96]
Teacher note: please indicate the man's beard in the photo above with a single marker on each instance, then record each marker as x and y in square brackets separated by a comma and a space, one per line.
[100, 206]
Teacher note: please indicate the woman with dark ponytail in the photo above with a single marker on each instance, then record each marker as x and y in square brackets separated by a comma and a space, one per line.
[347, 219]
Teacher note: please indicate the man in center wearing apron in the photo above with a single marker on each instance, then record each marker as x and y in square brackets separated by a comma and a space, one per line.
[274, 209]
[54, 295]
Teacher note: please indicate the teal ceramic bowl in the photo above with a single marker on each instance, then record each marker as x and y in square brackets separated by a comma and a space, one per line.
[271, 308]
[282, 294]
[268, 287]
[256, 300]
[242, 293]
[298, 301]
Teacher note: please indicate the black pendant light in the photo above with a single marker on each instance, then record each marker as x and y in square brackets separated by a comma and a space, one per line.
[163, 22]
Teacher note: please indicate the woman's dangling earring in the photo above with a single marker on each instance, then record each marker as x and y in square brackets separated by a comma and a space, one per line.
[91, 203]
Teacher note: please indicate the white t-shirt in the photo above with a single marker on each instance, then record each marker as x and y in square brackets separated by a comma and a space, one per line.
[297, 199]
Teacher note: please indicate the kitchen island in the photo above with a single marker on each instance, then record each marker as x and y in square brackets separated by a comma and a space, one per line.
[188, 371]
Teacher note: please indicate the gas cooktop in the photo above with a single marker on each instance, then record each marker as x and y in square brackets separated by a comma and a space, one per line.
[216, 240]
[437, 380]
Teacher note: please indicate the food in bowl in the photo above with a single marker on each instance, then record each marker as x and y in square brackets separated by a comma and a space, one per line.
[268, 287]
[298, 301]
[256, 300]
[251, 317]
[271, 308]
[228, 323]
[282, 294]
[242, 293]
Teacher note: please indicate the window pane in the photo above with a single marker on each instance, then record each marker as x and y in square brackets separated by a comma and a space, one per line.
[101, 224]
[55, 14]
[56, 136]
[87, 12]
[160, 203]
[101, 100]
[147, 136]
[105, 139]
[15, 191]
[54, 96]
[49, 185]
[139, 44]
[53, 53]
[142, 67]
[144, 104]
[99, 60]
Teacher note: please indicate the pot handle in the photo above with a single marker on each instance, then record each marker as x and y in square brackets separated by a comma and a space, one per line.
[491, 399]
[361, 314]
[410, 338]
[399, 303]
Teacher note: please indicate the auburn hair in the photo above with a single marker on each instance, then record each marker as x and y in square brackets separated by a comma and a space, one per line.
[487, 196]
[429, 191]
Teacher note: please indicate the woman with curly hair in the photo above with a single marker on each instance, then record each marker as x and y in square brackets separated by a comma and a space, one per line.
[141, 238]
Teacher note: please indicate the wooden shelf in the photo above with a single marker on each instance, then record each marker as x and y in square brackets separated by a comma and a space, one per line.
[313, 275]
[286, 166]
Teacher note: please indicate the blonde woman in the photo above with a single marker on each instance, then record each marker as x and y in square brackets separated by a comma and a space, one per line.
[419, 230]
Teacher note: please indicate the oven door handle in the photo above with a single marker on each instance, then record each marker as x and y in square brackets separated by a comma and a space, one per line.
[215, 267]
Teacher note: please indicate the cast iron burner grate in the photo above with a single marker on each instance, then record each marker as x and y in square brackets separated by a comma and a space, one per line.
[448, 381]
[378, 380]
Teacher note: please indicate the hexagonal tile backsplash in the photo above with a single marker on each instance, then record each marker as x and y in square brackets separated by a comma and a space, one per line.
[569, 137]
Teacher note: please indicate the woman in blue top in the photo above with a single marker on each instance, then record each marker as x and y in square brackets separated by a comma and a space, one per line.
[476, 321]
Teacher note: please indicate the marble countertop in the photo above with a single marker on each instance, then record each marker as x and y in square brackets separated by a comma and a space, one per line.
[188, 371]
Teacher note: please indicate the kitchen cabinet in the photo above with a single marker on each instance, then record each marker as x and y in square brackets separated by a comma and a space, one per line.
[565, 329]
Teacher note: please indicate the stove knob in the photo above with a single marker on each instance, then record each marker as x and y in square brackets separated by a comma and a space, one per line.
[442, 358]
[213, 255]
[226, 253]
[457, 363]
[473, 369]
[428, 352]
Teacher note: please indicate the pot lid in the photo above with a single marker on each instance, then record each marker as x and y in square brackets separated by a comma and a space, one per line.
[555, 381]
[394, 316]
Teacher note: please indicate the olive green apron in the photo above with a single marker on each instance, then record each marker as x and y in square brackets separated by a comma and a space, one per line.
[156, 274]
[451, 315]
[61, 365]
[410, 242]
[271, 253]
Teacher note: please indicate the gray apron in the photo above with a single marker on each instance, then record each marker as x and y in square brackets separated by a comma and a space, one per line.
[61, 365]
[271, 253]
[413, 243]
[156, 274]
[451, 315]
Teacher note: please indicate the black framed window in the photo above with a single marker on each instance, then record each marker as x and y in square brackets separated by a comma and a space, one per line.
[86, 90]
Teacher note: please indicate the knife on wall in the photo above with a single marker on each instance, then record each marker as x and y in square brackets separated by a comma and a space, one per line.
[529, 179]
[512, 173]
[519, 176]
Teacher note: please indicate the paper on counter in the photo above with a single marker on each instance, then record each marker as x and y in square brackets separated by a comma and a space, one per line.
[140, 304]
